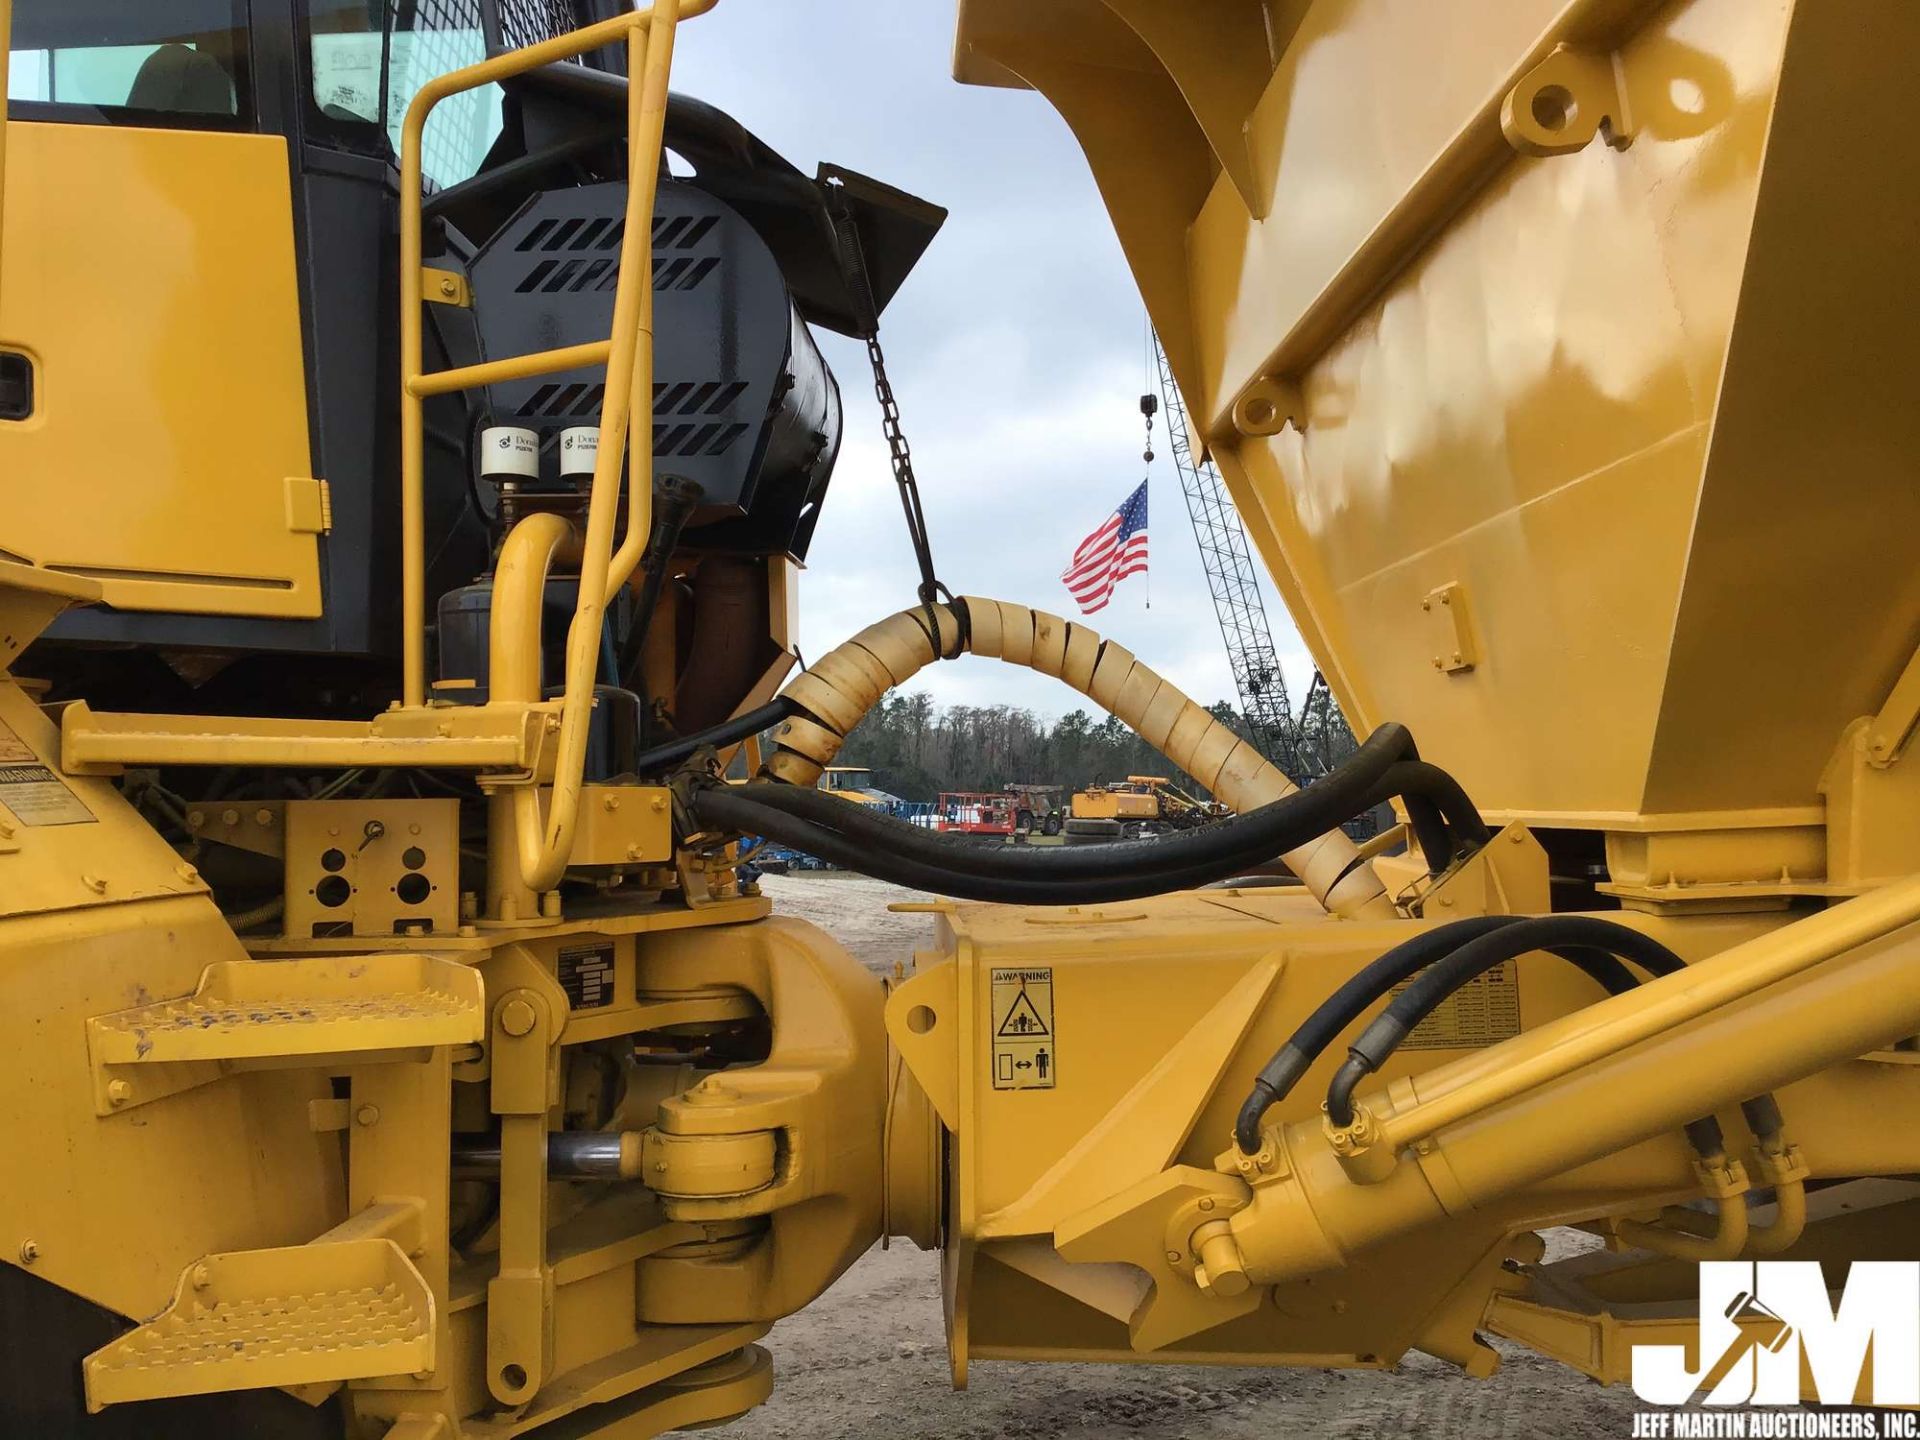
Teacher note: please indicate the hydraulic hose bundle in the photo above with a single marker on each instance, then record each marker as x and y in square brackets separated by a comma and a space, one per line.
[1436, 964]
[823, 705]
[1275, 816]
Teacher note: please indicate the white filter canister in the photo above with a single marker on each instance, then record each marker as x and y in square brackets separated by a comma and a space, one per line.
[579, 450]
[509, 453]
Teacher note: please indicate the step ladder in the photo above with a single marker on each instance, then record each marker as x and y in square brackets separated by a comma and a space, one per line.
[250, 1014]
[251, 1319]
[278, 1009]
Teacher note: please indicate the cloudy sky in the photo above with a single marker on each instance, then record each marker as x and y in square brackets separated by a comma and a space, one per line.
[1016, 349]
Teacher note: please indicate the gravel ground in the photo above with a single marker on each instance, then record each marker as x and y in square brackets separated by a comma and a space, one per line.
[869, 1360]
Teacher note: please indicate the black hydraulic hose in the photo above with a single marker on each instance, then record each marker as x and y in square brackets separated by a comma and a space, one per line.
[1365, 988]
[1429, 826]
[727, 732]
[1475, 956]
[1340, 1009]
[1151, 856]
[722, 809]
[675, 500]
[1449, 796]
[1439, 811]
[1215, 850]
[1763, 1117]
[1556, 933]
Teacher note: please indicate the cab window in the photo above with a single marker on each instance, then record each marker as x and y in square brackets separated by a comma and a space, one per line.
[369, 58]
[181, 60]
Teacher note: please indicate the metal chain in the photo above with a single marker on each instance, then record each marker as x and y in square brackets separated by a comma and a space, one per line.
[853, 262]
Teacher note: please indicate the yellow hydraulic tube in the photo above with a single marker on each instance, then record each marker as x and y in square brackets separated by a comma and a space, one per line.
[513, 675]
[1554, 1051]
[1728, 1239]
[1734, 1234]
[1789, 1221]
[1783, 1169]
[519, 590]
[1726, 1181]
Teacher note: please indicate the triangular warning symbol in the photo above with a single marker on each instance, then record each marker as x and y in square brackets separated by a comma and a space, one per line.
[1023, 1021]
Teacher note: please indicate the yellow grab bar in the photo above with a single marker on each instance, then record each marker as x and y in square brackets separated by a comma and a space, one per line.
[642, 170]
[646, 135]
[544, 843]
[514, 367]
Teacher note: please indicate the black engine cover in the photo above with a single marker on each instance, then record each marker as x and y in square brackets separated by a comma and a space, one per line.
[744, 405]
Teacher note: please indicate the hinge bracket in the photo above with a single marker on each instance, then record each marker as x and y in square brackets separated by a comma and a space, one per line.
[1566, 100]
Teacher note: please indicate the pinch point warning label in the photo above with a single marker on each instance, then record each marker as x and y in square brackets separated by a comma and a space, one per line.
[1022, 1033]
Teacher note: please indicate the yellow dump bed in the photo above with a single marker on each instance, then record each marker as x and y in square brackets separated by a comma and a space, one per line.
[1559, 358]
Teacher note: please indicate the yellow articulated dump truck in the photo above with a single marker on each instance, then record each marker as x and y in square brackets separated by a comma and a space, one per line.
[403, 481]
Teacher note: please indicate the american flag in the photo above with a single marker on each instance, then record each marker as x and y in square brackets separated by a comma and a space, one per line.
[1110, 554]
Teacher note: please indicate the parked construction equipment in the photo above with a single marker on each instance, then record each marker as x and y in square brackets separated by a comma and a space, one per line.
[1142, 805]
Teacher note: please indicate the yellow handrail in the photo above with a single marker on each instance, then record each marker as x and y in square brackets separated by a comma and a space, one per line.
[514, 367]
[627, 411]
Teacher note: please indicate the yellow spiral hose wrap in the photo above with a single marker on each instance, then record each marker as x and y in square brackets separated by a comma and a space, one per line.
[843, 685]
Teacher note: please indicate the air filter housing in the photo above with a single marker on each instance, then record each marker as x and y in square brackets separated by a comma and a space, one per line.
[743, 403]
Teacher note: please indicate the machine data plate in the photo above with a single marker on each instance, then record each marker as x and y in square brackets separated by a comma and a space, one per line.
[1022, 1031]
[1484, 1011]
[586, 974]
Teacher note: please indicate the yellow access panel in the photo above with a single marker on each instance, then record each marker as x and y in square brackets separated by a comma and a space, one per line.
[150, 280]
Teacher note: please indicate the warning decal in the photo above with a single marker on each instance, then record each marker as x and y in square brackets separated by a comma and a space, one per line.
[14, 750]
[1022, 1031]
[34, 794]
[1484, 1011]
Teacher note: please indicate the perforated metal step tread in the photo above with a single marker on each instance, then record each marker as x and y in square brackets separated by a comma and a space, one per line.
[259, 1009]
[249, 1319]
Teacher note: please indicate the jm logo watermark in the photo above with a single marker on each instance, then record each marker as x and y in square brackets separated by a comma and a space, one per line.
[1765, 1324]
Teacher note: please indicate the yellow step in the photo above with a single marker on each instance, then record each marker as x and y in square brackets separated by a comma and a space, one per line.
[250, 1319]
[265, 1009]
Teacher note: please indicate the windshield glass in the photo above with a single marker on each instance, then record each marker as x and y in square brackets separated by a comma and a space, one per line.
[163, 57]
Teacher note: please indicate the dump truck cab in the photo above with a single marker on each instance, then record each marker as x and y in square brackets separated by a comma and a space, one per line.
[202, 336]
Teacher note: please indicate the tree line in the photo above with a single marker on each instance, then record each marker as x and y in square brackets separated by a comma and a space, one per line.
[917, 749]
